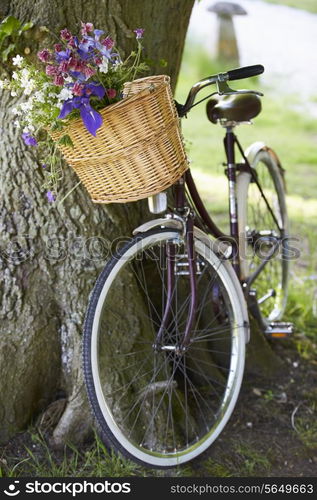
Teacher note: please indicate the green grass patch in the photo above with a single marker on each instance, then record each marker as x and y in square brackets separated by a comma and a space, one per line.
[309, 5]
[305, 424]
[244, 460]
[34, 457]
[251, 462]
[37, 459]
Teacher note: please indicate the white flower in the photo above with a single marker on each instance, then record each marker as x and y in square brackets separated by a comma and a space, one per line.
[65, 94]
[28, 129]
[17, 61]
[28, 119]
[4, 83]
[25, 73]
[39, 96]
[26, 106]
[28, 84]
[17, 124]
[68, 79]
[17, 111]
[13, 93]
[116, 64]
[15, 75]
[103, 67]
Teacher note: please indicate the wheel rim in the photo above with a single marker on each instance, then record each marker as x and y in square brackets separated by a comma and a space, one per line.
[161, 407]
[264, 233]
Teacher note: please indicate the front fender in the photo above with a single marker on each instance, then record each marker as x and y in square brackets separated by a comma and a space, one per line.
[163, 222]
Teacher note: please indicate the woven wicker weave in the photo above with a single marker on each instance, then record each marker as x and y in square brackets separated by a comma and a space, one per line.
[138, 150]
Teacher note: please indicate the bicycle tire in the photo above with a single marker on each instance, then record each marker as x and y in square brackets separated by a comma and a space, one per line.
[255, 219]
[107, 359]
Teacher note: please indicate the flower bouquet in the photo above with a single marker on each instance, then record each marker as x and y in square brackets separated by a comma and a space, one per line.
[110, 127]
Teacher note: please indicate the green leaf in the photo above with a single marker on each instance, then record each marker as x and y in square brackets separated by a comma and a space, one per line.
[65, 140]
[5, 53]
[26, 26]
[57, 125]
[9, 25]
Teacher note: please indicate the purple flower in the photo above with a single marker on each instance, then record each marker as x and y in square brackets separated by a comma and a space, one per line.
[58, 80]
[111, 93]
[44, 55]
[78, 89]
[91, 118]
[138, 33]
[98, 34]
[44, 165]
[96, 89]
[58, 47]
[64, 66]
[64, 55]
[86, 28]
[88, 72]
[65, 34]
[107, 42]
[29, 140]
[50, 196]
[51, 70]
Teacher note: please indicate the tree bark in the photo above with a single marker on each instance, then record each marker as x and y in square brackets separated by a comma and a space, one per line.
[50, 256]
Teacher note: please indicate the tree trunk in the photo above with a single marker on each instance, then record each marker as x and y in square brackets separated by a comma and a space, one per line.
[50, 256]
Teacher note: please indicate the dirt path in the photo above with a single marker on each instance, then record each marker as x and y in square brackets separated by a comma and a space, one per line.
[273, 430]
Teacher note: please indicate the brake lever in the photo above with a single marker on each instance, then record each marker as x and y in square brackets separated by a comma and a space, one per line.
[224, 89]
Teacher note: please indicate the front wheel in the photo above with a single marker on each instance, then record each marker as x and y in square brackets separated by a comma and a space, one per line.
[153, 404]
[264, 231]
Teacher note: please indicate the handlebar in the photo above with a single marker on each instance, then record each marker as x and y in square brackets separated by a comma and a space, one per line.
[246, 72]
[220, 79]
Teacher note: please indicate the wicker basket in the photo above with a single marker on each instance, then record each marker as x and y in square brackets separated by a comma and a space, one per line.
[138, 150]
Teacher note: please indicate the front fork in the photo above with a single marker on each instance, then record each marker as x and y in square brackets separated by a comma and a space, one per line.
[171, 258]
[229, 143]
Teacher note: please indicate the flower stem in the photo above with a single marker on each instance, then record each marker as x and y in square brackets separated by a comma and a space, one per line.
[69, 192]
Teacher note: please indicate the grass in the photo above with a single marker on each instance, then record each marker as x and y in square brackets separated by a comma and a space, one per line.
[309, 5]
[305, 424]
[38, 460]
[244, 460]
[252, 463]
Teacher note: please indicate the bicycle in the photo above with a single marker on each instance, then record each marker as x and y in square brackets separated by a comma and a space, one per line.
[163, 384]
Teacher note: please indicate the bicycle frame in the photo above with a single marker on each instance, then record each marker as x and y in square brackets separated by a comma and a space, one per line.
[183, 219]
[230, 141]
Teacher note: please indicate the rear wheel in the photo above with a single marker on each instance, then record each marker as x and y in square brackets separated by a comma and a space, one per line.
[152, 403]
[264, 232]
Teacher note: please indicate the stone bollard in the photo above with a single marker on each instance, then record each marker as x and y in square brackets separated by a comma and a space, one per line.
[227, 48]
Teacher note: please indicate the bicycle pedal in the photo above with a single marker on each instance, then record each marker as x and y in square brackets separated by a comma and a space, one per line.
[279, 330]
[181, 267]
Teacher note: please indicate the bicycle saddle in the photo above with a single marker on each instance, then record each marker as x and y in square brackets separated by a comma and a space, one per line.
[235, 107]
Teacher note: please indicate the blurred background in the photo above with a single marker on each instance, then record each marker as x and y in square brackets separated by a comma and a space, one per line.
[221, 36]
